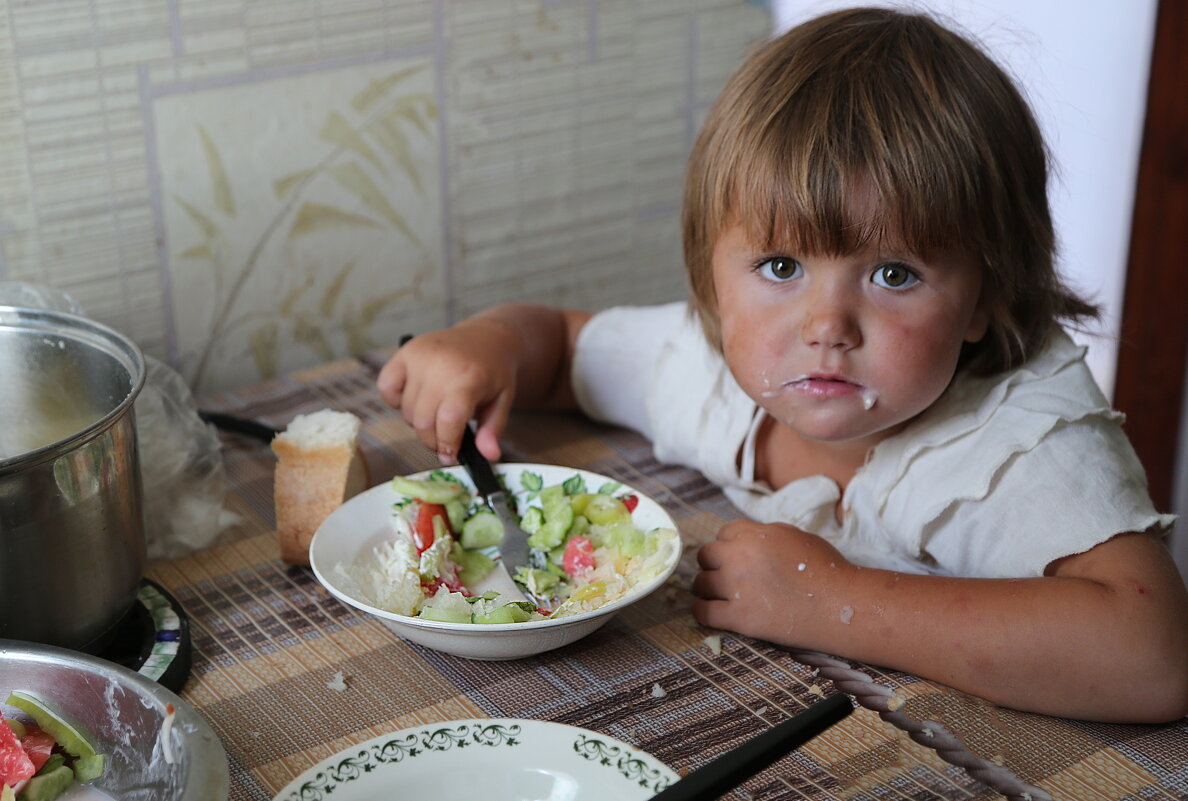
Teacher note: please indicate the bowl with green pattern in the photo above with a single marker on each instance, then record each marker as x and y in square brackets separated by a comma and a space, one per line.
[509, 759]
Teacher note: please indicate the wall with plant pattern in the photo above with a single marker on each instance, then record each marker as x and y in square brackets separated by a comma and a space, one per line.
[247, 187]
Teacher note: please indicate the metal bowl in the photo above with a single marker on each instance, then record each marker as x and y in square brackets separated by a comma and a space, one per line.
[124, 712]
[72, 547]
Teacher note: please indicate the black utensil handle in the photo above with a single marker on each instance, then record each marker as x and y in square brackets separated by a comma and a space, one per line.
[739, 764]
[477, 465]
[238, 425]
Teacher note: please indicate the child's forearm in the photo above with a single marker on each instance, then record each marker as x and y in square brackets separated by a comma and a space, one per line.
[1102, 636]
[1066, 645]
[540, 340]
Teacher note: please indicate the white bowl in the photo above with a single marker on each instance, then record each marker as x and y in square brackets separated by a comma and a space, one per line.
[353, 531]
[494, 760]
[125, 713]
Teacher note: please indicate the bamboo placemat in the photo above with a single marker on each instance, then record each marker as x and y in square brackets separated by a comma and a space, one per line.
[288, 676]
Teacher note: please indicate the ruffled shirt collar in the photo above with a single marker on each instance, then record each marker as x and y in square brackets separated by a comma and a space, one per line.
[908, 479]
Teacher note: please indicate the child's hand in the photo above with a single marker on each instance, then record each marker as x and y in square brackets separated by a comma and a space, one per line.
[771, 581]
[477, 368]
[440, 380]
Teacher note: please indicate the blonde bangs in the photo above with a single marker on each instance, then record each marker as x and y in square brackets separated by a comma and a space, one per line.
[851, 165]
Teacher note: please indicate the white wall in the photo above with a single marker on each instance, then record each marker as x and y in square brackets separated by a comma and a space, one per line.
[1084, 68]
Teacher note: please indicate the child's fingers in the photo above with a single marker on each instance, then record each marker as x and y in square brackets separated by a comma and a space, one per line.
[709, 556]
[715, 614]
[491, 423]
[452, 416]
[707, 585]
[420, 411]
[390, 382]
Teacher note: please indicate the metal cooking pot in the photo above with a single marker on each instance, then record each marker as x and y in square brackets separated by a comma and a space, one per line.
[72, 546]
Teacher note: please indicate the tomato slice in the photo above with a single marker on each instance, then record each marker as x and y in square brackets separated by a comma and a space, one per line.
[422, 529]
[15, 765]
[630, 501]
[38, 744]
[453, 585]
[578, 559]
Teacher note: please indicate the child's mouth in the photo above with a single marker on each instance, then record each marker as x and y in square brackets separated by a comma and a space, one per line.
[828, 387]
[824, 386]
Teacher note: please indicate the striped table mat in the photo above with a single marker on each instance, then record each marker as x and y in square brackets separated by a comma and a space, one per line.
[288, 676]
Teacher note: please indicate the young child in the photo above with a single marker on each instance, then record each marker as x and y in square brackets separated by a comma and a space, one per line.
[873, 369]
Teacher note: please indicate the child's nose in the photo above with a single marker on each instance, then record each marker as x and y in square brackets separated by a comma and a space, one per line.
[830, 323]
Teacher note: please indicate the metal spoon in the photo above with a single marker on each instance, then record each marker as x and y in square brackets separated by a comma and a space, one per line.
[513, 549]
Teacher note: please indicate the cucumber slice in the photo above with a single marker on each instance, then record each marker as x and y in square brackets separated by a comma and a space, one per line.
[53, 762]
[516, 612]
[445, 615]
[630, 541]
[473, 566]
[428, 491]
[89, 768]
[482, 530]
[532, 520]
[579, 526]
[63, 731]
[456, 512]
[602, 509]
[558, 517]
[541, 582]
[48, 786]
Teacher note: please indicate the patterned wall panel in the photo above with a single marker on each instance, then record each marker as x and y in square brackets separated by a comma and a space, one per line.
[250, 186]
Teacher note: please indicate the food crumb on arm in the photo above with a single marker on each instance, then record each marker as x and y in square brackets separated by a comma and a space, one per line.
[338, 683]
[658, 691]
[714, 642]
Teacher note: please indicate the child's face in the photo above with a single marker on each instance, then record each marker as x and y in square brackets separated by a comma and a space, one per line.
[843, 348]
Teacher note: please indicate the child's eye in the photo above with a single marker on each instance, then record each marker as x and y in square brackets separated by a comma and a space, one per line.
[779, 268]
[894, 275]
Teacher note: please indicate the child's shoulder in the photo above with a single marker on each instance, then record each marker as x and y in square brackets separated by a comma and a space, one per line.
[1055, 382]
[1008, 472]
[1045, 413]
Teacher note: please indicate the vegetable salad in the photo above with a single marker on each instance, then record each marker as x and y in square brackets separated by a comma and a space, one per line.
[43, 755]
[585, 550]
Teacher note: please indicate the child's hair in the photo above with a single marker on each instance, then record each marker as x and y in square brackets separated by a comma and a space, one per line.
[894, 105]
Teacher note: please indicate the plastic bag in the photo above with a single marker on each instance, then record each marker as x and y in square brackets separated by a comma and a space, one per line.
[181, 465]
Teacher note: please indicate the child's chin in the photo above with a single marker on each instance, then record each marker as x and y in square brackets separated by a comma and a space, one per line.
[843, 431]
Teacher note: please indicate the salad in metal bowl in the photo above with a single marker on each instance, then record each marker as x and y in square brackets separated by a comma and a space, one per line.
[45, 755]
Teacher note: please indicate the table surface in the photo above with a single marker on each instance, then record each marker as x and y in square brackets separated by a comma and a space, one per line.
[269, 643]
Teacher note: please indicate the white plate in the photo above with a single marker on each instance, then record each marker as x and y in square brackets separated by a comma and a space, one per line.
[501, 759]
[354, 530]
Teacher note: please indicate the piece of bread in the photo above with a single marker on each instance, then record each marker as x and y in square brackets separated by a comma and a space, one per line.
[318, 467]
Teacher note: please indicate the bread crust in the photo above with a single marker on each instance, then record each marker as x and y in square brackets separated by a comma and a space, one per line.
[309, 484]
